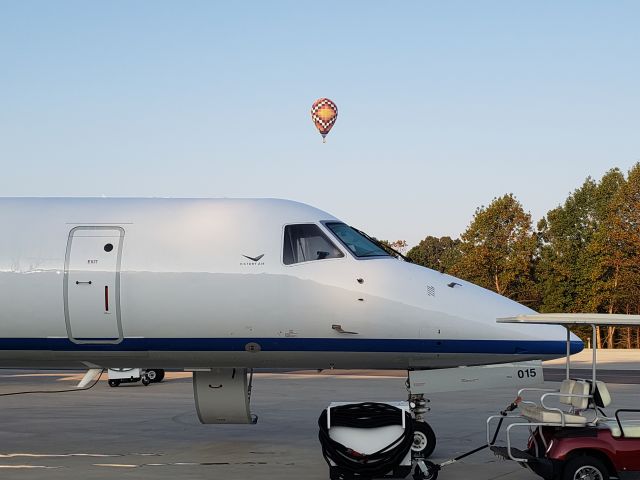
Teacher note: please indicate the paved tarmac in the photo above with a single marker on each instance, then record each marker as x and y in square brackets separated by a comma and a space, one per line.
[614, 359]
[610, 376]
[137, 432]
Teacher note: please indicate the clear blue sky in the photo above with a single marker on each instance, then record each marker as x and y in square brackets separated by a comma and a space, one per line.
[443, 105]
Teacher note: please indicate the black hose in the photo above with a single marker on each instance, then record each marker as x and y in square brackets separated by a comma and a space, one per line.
[366, 415]
[66, 390]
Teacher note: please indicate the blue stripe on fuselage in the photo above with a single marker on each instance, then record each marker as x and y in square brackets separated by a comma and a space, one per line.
[362, 345]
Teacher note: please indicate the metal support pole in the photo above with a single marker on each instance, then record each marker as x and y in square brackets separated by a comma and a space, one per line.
[568, 360]
[594, 346]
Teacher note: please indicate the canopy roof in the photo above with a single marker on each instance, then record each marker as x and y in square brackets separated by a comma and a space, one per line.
[567, 319]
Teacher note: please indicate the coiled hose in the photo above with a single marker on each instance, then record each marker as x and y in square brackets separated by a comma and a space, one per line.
[366, 415]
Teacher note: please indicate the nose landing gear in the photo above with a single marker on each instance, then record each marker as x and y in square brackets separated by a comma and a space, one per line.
[424, 440]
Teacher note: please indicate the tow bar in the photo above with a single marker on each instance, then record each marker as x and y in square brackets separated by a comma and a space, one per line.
[426, 470]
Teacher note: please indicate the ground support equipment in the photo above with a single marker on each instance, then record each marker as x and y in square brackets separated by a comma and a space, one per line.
[133, 375]
[426, 470]
[367, 440]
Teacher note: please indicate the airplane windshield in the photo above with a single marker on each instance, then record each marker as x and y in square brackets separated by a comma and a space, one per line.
[359, 244]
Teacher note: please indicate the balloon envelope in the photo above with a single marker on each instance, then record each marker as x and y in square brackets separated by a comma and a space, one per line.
[324, 114]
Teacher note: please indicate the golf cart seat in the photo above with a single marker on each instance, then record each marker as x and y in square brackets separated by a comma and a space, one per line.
[531, 409]
[601, 395]
[566, 387]
[630, 428]
[572, 392]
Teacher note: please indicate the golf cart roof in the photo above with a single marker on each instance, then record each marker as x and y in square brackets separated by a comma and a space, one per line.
[567, 319]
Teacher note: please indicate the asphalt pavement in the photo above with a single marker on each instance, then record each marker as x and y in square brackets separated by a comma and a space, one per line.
[152, 432]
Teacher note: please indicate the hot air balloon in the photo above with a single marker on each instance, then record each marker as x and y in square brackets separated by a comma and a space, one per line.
[324, 114]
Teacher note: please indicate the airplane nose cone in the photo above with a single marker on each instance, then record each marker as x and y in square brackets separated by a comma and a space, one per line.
[577, 345]
[450, 316]
[546, 340]
[482, 308]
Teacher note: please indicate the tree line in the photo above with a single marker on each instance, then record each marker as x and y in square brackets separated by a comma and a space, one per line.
[583, 256]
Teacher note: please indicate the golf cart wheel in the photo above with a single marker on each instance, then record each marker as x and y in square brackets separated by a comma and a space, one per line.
[114, 383]
[424, 440]
[145, 380]
[151, 375]
[585, 467]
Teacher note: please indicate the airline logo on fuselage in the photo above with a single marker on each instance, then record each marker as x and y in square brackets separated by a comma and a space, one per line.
[255, 261]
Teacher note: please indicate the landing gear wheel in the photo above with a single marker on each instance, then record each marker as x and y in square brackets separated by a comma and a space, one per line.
[431, 474]
[114, 383]
[145, 380]
[424, 440]
[158, 375]
[585, 467]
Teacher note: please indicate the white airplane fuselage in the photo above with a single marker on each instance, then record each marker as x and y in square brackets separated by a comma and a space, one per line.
[191, 283]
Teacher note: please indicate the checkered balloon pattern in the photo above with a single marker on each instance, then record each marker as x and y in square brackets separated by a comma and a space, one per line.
[324, 113]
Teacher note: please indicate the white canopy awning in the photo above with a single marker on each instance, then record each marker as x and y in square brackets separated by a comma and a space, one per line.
[567, 319]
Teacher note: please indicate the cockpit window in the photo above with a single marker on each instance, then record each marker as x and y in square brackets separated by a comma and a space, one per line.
[360, 245]
[306, 242]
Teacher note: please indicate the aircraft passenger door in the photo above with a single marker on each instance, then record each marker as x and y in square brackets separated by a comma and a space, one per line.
[92, 284]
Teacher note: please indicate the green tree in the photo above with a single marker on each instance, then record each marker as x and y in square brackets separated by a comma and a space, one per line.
[498, 250]
[436, 253]
[615, 253]
[565, 235]
[392, 248]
